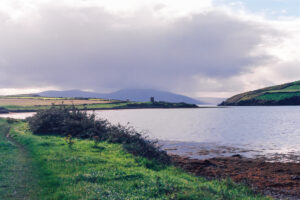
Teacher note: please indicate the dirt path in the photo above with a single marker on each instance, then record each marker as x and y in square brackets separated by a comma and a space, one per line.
[17, 177]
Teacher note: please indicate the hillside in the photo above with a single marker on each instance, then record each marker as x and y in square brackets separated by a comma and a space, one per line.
[285, 94]
[140, 95]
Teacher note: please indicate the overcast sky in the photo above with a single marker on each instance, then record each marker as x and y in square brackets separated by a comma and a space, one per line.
[200, 48]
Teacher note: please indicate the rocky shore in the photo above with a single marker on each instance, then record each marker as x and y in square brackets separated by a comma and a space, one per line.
[276, 179]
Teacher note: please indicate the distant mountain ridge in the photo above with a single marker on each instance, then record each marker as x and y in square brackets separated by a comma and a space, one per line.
[285, 94]
[124, 94]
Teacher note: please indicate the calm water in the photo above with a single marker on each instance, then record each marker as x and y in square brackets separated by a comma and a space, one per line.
[208, 132]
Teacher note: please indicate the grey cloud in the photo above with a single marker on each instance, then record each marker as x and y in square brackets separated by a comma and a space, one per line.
[91, 48]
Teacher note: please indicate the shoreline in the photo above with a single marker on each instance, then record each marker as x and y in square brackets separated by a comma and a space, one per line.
[277, 179]
[116, 108]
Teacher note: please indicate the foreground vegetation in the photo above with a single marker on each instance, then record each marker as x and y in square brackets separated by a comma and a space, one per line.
[102, 170]
[18, 178]
[286, 94]
[73, 123]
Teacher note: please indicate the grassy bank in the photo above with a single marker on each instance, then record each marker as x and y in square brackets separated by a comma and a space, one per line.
[85, 171]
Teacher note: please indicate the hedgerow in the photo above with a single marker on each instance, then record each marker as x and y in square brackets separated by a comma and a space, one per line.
[65, 121]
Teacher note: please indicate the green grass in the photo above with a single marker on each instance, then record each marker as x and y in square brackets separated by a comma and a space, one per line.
[8, 153]
[89, 106]
[17, 177]
[277, 96]
[24, 108]
[293, 88]
[107, 172]
[268, 96]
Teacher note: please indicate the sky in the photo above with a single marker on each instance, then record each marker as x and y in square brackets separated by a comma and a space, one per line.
[207, 48]
[269, 8]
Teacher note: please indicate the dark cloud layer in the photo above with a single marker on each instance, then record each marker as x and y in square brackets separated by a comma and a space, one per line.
[91, 48]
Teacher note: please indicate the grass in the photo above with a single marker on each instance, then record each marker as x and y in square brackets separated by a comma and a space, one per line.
[8, 153]
[107, 172]
[86, 106]
[277, 96]
[18, 179]
[293, 88]
[48, 102]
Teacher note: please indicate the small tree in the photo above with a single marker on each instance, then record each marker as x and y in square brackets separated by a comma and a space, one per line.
[69, 140]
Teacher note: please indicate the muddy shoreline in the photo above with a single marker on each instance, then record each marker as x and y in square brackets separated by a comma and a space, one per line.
[276, 179]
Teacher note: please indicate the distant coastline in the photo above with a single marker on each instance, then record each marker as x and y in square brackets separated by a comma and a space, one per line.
[107, 106]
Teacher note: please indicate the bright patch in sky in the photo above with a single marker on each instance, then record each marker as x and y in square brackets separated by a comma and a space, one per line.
[269, 8]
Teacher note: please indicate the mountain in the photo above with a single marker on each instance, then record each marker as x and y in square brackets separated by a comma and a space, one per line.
[145, 94]
[285, 94]
[70, 94]
[124, 94]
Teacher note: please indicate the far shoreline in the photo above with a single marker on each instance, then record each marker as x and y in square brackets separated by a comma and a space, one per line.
[125, 108]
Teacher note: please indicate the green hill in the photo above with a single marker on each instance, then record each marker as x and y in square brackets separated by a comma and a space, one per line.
[285, 94]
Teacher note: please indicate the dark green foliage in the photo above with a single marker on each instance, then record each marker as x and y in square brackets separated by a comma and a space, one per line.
[75, 123]
[3, 110]
[69, 140]
[11, 120]
[96, 141]
[67, 121]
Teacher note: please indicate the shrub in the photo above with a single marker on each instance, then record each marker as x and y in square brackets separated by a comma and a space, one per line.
[69, 141]
[11, 120]
[3, 110]
[72, 122]
[96, 140]
[63, 121]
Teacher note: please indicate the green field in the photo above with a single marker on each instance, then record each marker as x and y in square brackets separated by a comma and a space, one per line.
[105, 171]
[285, 94]
[293, 88]
[277, 96]
[89, 106]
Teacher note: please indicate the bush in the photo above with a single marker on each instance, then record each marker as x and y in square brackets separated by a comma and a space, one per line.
[66, 121]
[3, 110]
[11, 120]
